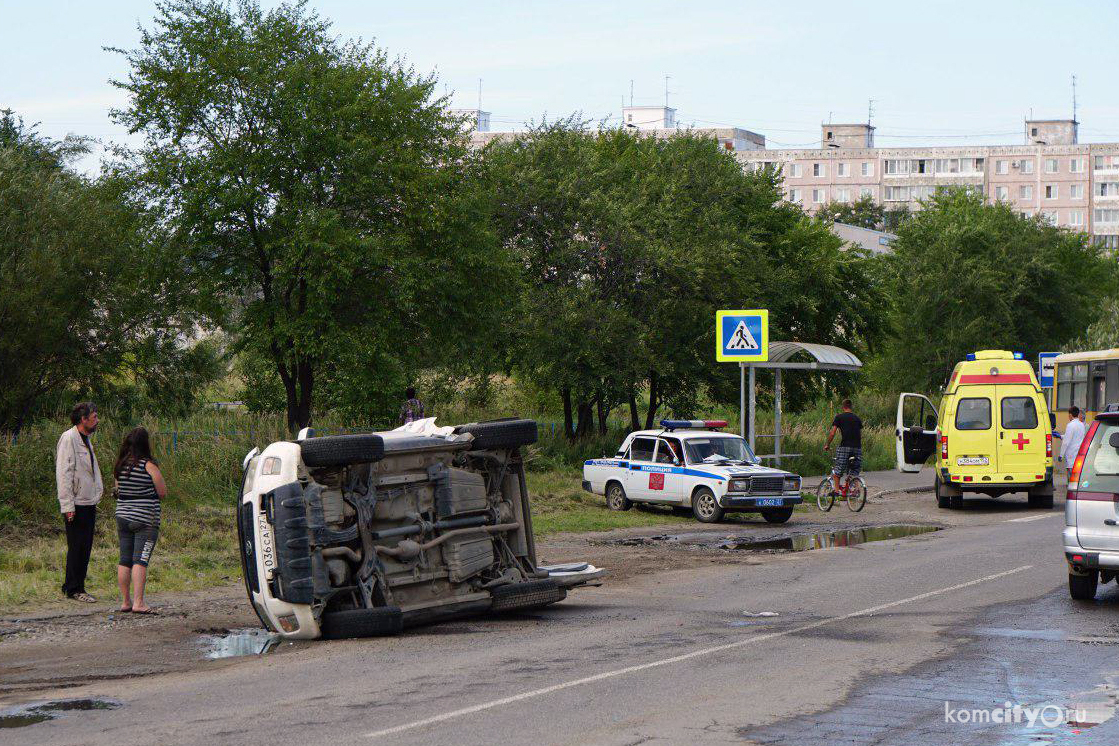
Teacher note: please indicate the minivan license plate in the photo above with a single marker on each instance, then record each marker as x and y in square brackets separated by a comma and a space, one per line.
[769, 501]
[267, 550]
[972, 461]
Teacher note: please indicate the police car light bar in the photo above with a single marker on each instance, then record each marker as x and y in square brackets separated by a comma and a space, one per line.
[693, 424]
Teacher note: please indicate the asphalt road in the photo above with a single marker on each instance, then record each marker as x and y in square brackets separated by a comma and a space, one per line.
[868, 644]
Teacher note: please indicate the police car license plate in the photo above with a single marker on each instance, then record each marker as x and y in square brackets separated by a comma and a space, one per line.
[267, 550]
[769, 501]
[972, 461]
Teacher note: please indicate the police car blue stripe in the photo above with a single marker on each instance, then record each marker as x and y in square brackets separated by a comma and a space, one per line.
[656, 469]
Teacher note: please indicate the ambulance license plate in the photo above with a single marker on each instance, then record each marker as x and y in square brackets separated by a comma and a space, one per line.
[972, 461]
[763, 502]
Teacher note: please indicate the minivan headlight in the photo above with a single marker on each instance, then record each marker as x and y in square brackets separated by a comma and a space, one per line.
[792, 484]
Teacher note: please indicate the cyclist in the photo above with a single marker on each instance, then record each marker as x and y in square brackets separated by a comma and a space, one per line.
[850, 445]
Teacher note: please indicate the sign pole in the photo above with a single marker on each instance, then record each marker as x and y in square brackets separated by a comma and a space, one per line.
[777, 416]
[742, 399]
[753, 426]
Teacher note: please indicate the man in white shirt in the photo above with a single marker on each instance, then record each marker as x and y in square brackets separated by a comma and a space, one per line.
[1072, 438]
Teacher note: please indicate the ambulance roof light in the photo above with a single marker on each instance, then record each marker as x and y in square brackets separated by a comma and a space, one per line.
[1017, 356]
[971, 356]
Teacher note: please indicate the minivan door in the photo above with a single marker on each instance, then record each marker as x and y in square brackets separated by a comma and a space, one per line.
[1021, 431]
[916, 431]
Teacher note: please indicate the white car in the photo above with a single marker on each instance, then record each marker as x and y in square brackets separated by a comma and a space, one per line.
[689, 464]
[360, 535]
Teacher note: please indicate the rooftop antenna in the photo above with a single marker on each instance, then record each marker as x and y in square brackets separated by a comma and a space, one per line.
[666, 77]
[1074, 99]
[869, 111]
[630, 94]
[479, 94]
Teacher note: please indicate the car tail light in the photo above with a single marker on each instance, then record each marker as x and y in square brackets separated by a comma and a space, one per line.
[1078, 558]
[1049, 445]
[1078, 464]
[944, 447]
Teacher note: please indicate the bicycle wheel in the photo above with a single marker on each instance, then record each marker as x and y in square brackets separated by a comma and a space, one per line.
[856, 494]
[825, 498]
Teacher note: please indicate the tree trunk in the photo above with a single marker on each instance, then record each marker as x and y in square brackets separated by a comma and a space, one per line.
[603, 413]
[568, 428]
[586, 420]
[634, 423]
[306, 376]
[654, 401]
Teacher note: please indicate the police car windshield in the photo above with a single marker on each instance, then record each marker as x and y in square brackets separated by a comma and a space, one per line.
[717, 450]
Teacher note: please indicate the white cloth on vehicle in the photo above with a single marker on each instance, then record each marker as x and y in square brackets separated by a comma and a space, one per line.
[426, 426]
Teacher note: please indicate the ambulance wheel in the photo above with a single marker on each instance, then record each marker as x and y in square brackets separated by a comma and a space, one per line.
[943, 500]
[1042, 498]
[616, 497]
[705, 507]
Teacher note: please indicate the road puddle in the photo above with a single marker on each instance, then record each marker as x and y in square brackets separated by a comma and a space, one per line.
[238, 642]
[25, 715]
[799, 542]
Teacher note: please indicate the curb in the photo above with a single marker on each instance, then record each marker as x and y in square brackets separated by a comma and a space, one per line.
[905, 490]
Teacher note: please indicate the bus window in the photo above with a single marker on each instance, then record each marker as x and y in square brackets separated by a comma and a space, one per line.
[1112, 382]
[1080, 385]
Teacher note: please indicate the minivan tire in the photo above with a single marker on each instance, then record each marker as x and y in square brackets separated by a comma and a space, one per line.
[1083, 587]
[341, 450]
[529, 595]
[498, 434]
[353, 623]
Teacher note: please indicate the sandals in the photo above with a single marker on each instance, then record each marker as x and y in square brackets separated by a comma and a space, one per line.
[84, 598]
[146, 612]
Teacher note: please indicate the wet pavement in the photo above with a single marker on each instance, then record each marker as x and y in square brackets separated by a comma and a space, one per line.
[238, 642]
[788, 541]
[38, 712]
[1052, 661]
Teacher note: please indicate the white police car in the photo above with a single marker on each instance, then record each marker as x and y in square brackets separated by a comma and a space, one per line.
[689, 463]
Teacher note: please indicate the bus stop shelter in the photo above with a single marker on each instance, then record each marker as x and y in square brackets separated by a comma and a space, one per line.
[785, 356]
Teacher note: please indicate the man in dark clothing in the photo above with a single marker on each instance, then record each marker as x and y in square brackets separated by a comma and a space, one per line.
[850, 428]
[79, 490]
[412, 409]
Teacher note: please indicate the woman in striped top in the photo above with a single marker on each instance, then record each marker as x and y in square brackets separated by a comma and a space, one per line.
[140, 488]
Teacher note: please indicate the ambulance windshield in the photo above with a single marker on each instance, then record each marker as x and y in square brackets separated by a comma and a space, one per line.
[719, 450]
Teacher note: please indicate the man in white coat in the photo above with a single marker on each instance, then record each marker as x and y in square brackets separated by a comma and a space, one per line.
[1072, 437]
[79, 491]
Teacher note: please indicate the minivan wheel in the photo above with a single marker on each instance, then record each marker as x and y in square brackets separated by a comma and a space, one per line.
[1083, 587]
[705, 507]
[342, 625]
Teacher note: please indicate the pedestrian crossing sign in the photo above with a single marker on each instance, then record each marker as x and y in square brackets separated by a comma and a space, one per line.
[742, 336]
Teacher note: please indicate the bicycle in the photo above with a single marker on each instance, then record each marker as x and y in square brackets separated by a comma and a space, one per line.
[853, 489]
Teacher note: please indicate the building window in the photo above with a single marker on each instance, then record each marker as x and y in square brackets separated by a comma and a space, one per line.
[1050, 191]
[1026, 191]
[1050, 165]
[1033, 131]
[1076, 191]
[1076, 166]
[897, 193]
[948, 165]
[1049, 217]
[868, 168]
[1002, 167]
[843, 195]
[922, 166]
[1108, 242]
[864, 191]
[1101, 162]
[1107, 189]
[1002, 193]
[896, 167]
[843, 170]
[1026, 214]
[1076, 217]
[819, 169]
[818, 196]
[796, 171]
[1026, 165]
[794, 195]
[1106, 216]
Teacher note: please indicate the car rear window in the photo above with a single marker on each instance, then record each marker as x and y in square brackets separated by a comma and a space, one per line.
[1100, 472]
[973, 414]
[1018, 412]
[642, 449]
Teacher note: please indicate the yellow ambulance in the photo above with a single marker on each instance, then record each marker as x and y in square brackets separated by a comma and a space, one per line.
[992, 435]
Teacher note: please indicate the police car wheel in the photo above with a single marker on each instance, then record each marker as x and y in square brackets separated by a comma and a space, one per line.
[777, 516]
[705, 507]
[616, 497]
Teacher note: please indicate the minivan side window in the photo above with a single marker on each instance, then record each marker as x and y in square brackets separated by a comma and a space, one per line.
[642, 449]
[973, 414]
[1019, 413]
[1101, 463]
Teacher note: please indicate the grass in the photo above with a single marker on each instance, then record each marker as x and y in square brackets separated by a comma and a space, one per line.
[197, 544]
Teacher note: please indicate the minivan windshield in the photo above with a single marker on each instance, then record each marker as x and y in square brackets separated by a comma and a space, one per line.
[1100, 472]
[726, 449]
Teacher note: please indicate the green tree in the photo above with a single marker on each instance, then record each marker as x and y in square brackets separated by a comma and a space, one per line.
[967, 275]
[321, 186]
[86, 276]
[864, 212]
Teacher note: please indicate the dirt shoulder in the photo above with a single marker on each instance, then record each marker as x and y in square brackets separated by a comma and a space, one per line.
[66, 644]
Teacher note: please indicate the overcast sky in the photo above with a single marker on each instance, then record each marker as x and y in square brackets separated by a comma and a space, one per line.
[939, 72]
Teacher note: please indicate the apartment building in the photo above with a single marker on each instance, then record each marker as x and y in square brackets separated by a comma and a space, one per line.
[1051, 174]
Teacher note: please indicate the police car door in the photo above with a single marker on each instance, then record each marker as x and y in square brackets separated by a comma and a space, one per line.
[915, 432]
[641, 454]
[665, 483]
